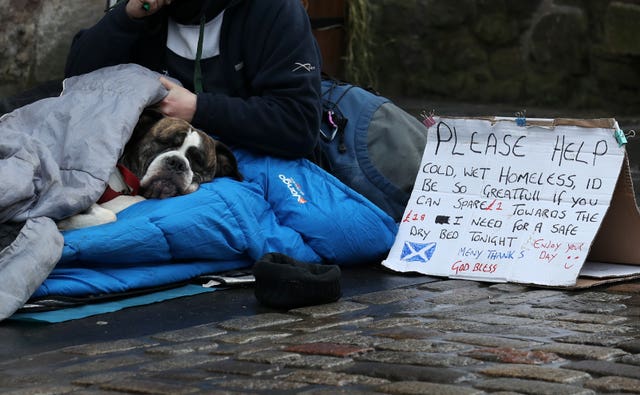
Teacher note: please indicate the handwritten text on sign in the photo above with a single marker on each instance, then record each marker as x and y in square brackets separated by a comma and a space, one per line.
[501, 202]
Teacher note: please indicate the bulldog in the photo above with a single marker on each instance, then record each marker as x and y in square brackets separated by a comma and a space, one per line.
[164, 157]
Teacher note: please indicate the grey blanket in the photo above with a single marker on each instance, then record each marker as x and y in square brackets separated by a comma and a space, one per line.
[56, 156]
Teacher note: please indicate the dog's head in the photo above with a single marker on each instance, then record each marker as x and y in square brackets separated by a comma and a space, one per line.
[171, 157]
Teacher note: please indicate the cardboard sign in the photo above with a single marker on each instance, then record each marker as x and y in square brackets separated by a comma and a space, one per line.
[498, 200]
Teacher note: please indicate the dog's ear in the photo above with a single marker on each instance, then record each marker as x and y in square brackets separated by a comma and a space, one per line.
[131, 154]
[149, 117]
[226, 163]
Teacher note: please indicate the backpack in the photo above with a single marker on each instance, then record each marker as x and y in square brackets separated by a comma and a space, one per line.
[370, 144]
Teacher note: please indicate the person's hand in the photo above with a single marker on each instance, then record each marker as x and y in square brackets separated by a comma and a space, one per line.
[137, 9]
[179, 102]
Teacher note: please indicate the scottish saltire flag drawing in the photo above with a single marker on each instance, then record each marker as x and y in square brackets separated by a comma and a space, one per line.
[417, 252]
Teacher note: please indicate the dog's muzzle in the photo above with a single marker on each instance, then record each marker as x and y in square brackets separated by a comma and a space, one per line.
[168, 175]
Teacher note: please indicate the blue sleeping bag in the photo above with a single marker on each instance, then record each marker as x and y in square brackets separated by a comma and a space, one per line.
[287, 206]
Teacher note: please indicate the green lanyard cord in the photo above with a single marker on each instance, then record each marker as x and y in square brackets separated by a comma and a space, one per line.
[197, 73]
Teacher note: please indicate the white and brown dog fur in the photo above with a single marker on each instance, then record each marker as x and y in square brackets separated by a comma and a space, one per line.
[169, 157]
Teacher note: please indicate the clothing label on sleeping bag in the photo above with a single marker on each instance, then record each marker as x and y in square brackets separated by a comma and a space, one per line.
[294, 188]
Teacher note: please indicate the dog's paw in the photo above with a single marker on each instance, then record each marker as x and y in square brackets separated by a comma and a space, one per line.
[121, 202]
[94, 215]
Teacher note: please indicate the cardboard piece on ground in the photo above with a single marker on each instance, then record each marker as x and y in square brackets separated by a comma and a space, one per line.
[500, 200]
[92, 309]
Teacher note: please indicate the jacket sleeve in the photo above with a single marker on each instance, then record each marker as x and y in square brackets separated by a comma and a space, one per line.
[282, 63]
[111, 41]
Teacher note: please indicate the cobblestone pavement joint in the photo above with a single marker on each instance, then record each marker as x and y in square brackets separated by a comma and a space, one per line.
[442, 337]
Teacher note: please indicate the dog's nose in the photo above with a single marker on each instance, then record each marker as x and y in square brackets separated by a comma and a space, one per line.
[175, 164]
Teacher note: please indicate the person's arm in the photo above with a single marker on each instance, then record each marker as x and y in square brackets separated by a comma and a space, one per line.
[283, 118]
[109, 42]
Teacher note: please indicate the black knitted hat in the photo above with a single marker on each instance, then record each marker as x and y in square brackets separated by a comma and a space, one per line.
[285, 283]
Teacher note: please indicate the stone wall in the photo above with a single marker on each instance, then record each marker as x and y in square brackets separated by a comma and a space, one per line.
[573, 53]
[35, 37]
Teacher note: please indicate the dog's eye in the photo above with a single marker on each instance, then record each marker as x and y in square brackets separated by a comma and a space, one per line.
[172, 140]
[196, 158]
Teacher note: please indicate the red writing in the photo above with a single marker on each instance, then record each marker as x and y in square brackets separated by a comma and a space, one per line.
[574, 247]
[412, 217]
[549, 250]
[461, 267]
[491, 205]
[546, 244]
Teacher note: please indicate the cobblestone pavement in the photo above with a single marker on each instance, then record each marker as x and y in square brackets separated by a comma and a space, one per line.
[432, 336]
[436, 336]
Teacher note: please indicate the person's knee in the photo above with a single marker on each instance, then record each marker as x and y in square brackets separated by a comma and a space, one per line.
[43, 90]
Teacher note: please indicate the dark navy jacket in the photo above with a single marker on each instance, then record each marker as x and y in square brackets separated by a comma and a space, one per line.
[271, 67]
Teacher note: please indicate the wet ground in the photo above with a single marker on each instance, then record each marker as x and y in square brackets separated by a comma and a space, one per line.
[389, 334]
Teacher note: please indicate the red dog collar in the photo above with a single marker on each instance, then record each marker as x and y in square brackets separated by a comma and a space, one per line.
[133, 184]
